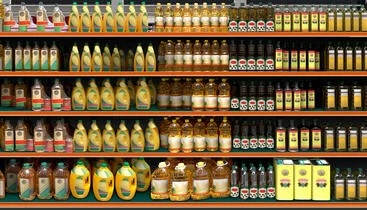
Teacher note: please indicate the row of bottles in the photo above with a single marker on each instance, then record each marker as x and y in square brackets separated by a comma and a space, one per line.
[339, 18]
[121, 139]
[197, 56]
[346, 57]
[294, 99]
[26, 58]
[349, 184]
[191, 18]
[46, 181]
[98, 60]
[251, 18]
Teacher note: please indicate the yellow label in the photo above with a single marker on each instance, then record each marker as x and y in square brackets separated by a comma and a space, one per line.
[293, 140]
[278, 60]
[288, 100]
[329, 140]
[364, 21]
[316, 139]
[287, 22]
[305, 139]
[363, 140]
[294, 60]
[303, 99]
[278, 20]
[362, 190]
[311, 60]
[331, 60]
[280, 140]
[314, 21]
[279, 100]
[322, 21]
[311, 99]
[357, 99]
[285, 60]
[331, 22]
[296, 21]
[339, 21]
[302, 60]
[339, 191]
[305, 21]
[297, 100]
[340, 60]
[351, 190]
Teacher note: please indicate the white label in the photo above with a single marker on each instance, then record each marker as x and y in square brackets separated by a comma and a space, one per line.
[56, 94]
[205, 21]
[159, 186]
[224, 59]
[179, 59]
[214, 21]
[187, 59]
[9, 136]
[197, 101]
[187, 143]
[38, 136]
[11, 180]
[174, 142]
[212, 142]
[223, 21]
[163, 100]
[225, 143]
[224, 102]
[180, 188]
[19, 93]
[58, 136]
[351, 181]
[177, 21]
[211, 101]
[61, 184]
[199, 142]
[196, 21]
[176, 101]
[206, 59]
[169, 21]
[5, 92]
[159, 21]
[24, 185]
[215, 59]
[187, 21]
[197, 60]
[19, 135]
[201, 186]
[43, 184]
[164, 139]
[186, 100]
[220, 185]
[170, 59]
[36, 94]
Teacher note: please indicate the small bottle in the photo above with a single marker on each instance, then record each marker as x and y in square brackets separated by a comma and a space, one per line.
[292, 137]
[279, 98]
[236, 137]
[288, 97]
[339, 185]
[234, 182]
[351, 188]
[244, 183]
[280, 137]
[187, 139]
[211, 95]
[296, 97]
[245, 136]
[329, 138]
[269, 135]
[254, 140]
[361, 185]
[353, 138]
[316, 143]
[304, 136]
[11, 171]
[341, 138]
[311, 100]
[254, 190]
[270, 190]
[262, 182]
[199, 136]
[243, 100]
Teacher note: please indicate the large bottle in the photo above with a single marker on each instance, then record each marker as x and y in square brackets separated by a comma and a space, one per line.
[78, 96]
[187, 137]
[107, 96]
[108, 19]
[74, 61]
[123, 138]
[198, 91]
[199, 136]
[201, 182]
[125, 182]
[174, 137]
[97, 59]
[103, 183]
[93, 96]
[80, 138]
[152, 141]
[80, 180]
[61, 182]
[150, 59]
[37, 96]
[120, 21]
[11, 173]
[176, 94]
[180, 184]
[143, 174]
[21, 133]
[122, 96]
[109, 138]
[143, 96]
[27, 182]
[137, 137]
[160, 182]
[85, 19]
[211, 95]
[131, 18]
[107, 59]
[39, 137]
[94, 138]
[44, 182]
[74, 22]
[225, 136]
[212, 136]
[224, 95]
[9, 140]
[60, 135]
[86, 59]
[56, 95]
[221, 180]
[163, 132]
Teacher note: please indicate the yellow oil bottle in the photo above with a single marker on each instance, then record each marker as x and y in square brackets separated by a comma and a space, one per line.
[80, 138]
[97, 60]
[143, 174]
[94, 138]
[86, 59]
[74, 61]
[131, 18]
[107, 96]
[109, 138]
[74, 19]
[120, 21]
[108, 19]
[180, 184]
[80, 181]
[103, 183]
[123, 138]
[137, 138]
[78, 96]
[143, 96]
[152, 141]
[126, 182]
[93, 96]
[122, 97]
[85, 19]
[139, 64]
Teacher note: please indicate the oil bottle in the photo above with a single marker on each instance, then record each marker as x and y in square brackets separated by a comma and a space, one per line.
[261, 103]
[252, 102]
[225, 137]
[160, 182]
[199, 136]
[341, 138]
[358, 57]
[198, 92]
[236, 137]
[253, 178]
[174, 137]
[262, 135]
[262, 182]
[251, 59]
[348, 18]
[241, 62]
[180, 184]
[254, 140]
[292, 137]
[205, 18]
[340, 62]
[322, 19]
[269, 104]
[234, 182]
[211, 95]
[363, 21]
[287, 19]
[343, 95]
[269, 60]
[278, 57]
[296, 19]
[363, 138]
[243, 100]
[329, 138]
[197, 56]
[278, 19]
[339, 16]
[187, 18]
[348, 57]
[169, 56]
[302, 58]
[235, 100]
[177, 19]
[27, 182]
[244, 183]
[279, 98]
[310, 97]
[245, 137]
[316, 143]
[242, 18]
[221, 180]
[304, 134]
[352, 138]
[44, 182]
[214, 18]
[206, 56]
[314, 19]
[187, 137]
[233, 25]
[269, 135]
[176, 94]
[270, 190]
[356, 17]
[303, 96]
[288, 96]
[331, 18]
[163, 132]
[330, 57]
[201, 182]
[212, 136]
[361, 185]
[296, 97]
[11, 171]
[305, 19]
[339, 185]
[224, 90]
[9, 140]
[178, 56]
[169, 19]
[280, 137]
[330, 97]
[233, 59]
[356, 92]
[350, 191]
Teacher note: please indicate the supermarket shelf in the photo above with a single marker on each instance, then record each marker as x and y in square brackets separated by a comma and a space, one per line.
[173, 113]
[237, 154]
[186, 74]
[183, 34]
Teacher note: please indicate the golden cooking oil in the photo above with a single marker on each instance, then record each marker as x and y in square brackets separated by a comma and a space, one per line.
[357, 54]
[331, 19]
[356, 19]
[339, 57]
[350, 191]
[356, 93]
[330, 57]
[341, 139]
[329, 138]
[339, 19]
[361, 185]
[314, 19]
[296, 19]
[352, 138]
[347, 18]
[330, 97]
[363, 138]
[348, 57]
[339, 185]
[343, 95]
[363, 16]
[322, 18]
[287, 20]
[305, 19]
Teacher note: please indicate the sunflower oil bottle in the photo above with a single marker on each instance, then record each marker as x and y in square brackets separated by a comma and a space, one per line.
[139, 64]
[131, 18]
[143, 96]
[142, 19]
[18, 57]
[74, 61]
[39, 137]
[108, 19]
[8, 57]
[212, 137]
[221, 180]
[152, 141]
[199, 136]
[126, 182]
[27, 182]
[56, 95]
[187, 18]
[122, 96]
[97, 59]
[94, 138]
[107, 59]
[80, 180]
[180, 184]
[86, 59]
[109, 138]
[103, 183]
[159, 18]
[24, 18]
[187, 137]
[44, 182]
[107, 96]
[174, 137]
[11, 171]
[160, 182]
[163, 132]
[116, 59]
[123, 138]
[201, 182]
[41, 18]
[150, 59]
[119, 20]
[21, 95]
[93, 96]
[45, 58]
[196, 15]
[54, 57]
[132, 92]
[80, 138]
[85, 19]
[61, 182]
[225, 137]
[143, 174]
[74, 19]
[137, 138]
[78, 102]
[177, 19]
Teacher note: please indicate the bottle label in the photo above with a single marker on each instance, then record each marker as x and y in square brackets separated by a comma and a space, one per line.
[163, 101]
[121, 103]
[245, 143]
[262, 142]
[125, 187]
[195, 21]
[206, 60]
[260, 26]
[39, 141]
[44, 189]
[179, 59]
[251, 26]
[233, 65]
[176, 101]
[363, 139]
[236, 142]
[261, 105]
[174, 143]
[242, 26]
[253, 192]
[197, 102]
[198, 59]
[235, 191]
[164, 140]
[245, 193]
[169, 21]
[254, 142]
[224, 102]
[187, 144]
[243, 104]
[205, 21]
[305, 139]
[159, 186]
[186, 101]
[235, 103]
[280, 140]
[260, 64]
[215, 60]
[177, 21]
[288, 100]
[316, 139]
[270, 104]
[269, 64]
[357, 99]
[233, 26]
[224, 60]
[329, 140]
[2, 188]
[330, 98]
[61, 187]
[269, 26]
[293, 140]
[123, 141]
[214, 21]
[278, 20]
[251, 64]
[20, 100]
[9, 141]
[212, 142]
[296, 21]
[180, 188]
[270, 143]
[270, 192]
[56, 99]
[252, 105]
[187, 21]
[211, 102]
[225, 144]
[220, 185]
[242, 64]
[37, 100]
[159, 21]
[11, 182]
[200, 187]
[187, 59]
[199, 143]
[25, 189]
[20, 142]
[223, 21]
[141, 176]
[6, 97]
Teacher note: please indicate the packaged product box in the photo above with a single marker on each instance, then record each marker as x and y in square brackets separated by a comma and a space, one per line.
[302, 180]
[320, 180]
[284, 179]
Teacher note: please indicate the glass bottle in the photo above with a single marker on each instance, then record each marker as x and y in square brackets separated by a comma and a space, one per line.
[341, 138]
[353, 138]
[280, 137]
[292, 137]
[361, 185]
[304, 134]
[351, 189]
[329, 138]
[339, 185]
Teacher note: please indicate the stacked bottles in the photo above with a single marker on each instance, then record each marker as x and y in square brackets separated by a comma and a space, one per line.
[349, 184]
[195, 18]
[346, 57]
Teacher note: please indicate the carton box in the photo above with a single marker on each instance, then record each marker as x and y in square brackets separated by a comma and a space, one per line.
[320, 180]
[302, 180]
[284, 179]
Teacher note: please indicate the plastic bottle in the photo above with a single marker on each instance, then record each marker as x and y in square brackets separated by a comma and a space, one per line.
[39, 137]
[198, 91]
[7, 93]
[187, 93]
[169, 56]
[27, 57]
[107, 96]
[116, 59]
[74, 19]
[54, 57]
[41, 19]
[169, 19]
[225, 137]
[21, 95]
[80, 181]
[160, 182]
[85, 19]
[143, 18]
[150, 59]
[143, 96]
[44, 182]
[123, 138]
[93, 96]
[187, 136]
[24, 18]
[139, 64]
[143, 174]
[18, 57]
[174, 137]
[199, 136]
[158, 18]
[201, 182]
[224, 98]
[21, 132]
[221, 180]
[152, 136]
[11, 172]
[74, 61]
[131, 18]
[206, 56]
[132, 92]
[45, 58]
[153, 91]
[212, 136]
[107, 59]
[119, 20]
[122, 96]
[97, 59]
[109, 138]
[126, 182]
[137, 138]
[214, 18]
[27, 182]
[188, 56]
[103, 183]
[8, 57]
[205, 18]
[56, 95]
[177, 19]
[178, 56]
[8, 134]
[86, 59]
[163, 132]
[94, 138]
[58, 19]
[163, 94]
[176, 94]
[223, 18]
[80, 138]
[9, 20]
[180, 184]
[61, 182]
[196, 16]
[108, 19]
[211, 95]
[78, 96]
[187, 18]
[60, 134]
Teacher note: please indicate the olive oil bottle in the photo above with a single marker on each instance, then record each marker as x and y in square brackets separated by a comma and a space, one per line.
[280, 137]
[329, 97]
[316, 137]
[350, 191]
[292, 137]
[348, 57]
[363, 138]
[339, 185]
[358, 57]
[330, 57]
[341, 138]
[356, 93]
[361, 185]
[352, 138]
[343, 96]
[329, 138]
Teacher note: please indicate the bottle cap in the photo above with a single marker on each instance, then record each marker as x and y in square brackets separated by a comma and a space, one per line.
[126, 163]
